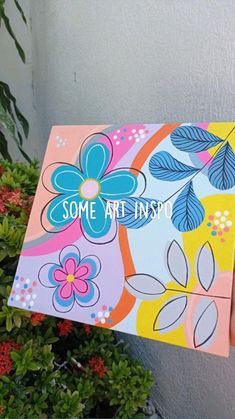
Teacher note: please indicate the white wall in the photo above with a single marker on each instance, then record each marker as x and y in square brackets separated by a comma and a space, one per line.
[104, 61]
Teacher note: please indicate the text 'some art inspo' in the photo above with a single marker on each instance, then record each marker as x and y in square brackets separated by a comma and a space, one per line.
[132, 229]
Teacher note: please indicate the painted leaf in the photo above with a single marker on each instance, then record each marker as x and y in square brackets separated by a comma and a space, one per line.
[177, 263]
[206, 325]
[206, 266]
[193, 139]
[188, 212]
[170, 314]
[165, 167]
[145, 287]
[138, 212]
[221, 172]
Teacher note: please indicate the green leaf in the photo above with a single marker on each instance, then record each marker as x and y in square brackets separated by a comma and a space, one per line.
[17, 321]
[9, 323]
[21, 11]
[4, 147]
[11, 33]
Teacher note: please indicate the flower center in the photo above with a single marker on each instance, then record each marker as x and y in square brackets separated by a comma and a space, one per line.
[70, 278]
[89, 189]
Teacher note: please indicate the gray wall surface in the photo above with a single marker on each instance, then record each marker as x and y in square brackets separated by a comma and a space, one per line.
[104, 61]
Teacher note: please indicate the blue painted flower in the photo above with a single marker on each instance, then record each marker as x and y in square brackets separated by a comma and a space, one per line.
[91, 184]
[72, 279]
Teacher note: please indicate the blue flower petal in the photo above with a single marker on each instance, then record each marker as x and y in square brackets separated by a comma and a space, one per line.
[45, 275]
[62, 305]
[91, 298]
[58, 212]
[95, 265]
[95, 160]
[94, 222]
[70, 251]
[66, 178]
[118, 184]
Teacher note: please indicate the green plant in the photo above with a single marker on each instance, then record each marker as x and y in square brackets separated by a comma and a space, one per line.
[51, 368]
[13, 124]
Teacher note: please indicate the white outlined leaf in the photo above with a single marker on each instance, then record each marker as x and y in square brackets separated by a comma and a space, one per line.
[177, 263]
[145, 287]
[206, 266]
[170, 313]
[206, 325]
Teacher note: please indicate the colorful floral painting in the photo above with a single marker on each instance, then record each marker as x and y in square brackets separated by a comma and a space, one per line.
[132, 229]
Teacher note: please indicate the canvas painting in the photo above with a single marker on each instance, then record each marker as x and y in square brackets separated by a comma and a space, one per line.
[132, 229]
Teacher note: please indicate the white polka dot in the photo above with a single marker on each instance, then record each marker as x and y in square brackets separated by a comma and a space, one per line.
[106, 315]
[17, 297]
[142, 136]
[102, 321]
[133, 131]
[141, 131]
[28, 297]
[216, 222]
[226, 212]
[118, 131]
[229, 223]
[61, 140]
[24, 304]
[100, 314]
[217, 213]
[34, 296]
[223, 218]
[17, 285]
[137, 140]
[130, 138]
[115, 137]
[27, 281]
[31, 303]
[117, 142]
[136, 135]
[222, 225]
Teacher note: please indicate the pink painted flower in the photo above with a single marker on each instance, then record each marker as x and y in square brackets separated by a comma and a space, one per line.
[72, 279]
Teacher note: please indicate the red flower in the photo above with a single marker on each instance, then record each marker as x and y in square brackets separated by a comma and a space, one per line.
[2, 410]
[97, 365]
[65, 327]
[37, 319]
[7, 347]
[87, 329]
[5, 360]
[14, 197]
[2, 208]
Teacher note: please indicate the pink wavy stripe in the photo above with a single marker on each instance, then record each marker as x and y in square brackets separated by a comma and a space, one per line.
[58, 241]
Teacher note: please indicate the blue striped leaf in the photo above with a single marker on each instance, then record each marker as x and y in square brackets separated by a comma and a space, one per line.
[193, 139]
[188, 212]
[133, 214]
[221, 172]
[165, 167]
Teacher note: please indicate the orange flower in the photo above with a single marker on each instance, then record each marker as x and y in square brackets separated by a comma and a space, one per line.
[97, 365]
[65, 327]
[2, 410]
[37, 319]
